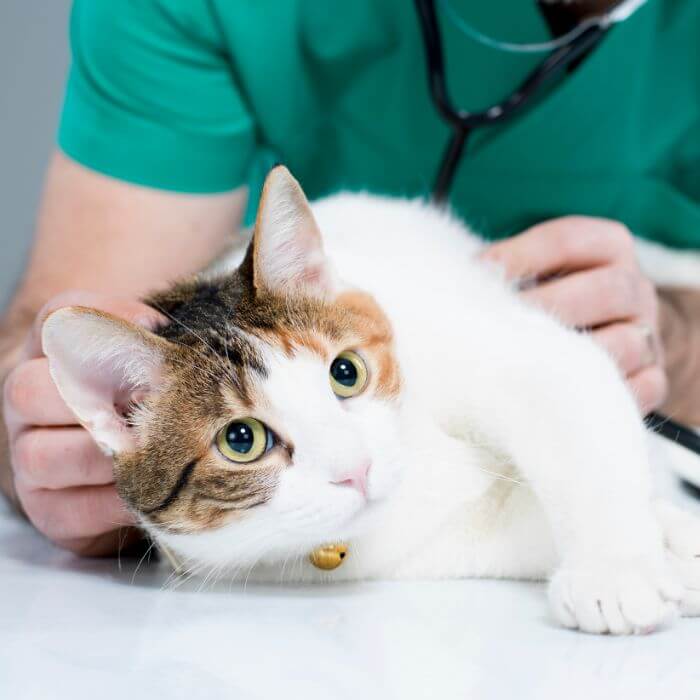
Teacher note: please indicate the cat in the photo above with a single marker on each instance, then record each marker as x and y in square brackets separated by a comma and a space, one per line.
[358, 377]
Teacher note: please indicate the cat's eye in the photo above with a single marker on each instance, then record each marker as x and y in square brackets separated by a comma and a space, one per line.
[348, 374]
[244, 440]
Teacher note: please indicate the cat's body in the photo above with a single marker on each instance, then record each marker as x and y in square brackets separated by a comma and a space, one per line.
[465, 492]
[488, 440]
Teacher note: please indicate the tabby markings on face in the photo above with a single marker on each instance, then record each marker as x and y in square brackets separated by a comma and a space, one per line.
[187, 410]
[179, 479]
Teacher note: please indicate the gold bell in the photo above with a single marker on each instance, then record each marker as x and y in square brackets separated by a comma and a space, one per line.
[329, 557]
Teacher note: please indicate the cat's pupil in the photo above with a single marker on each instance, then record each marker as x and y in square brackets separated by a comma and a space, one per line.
[239, 437]
[344, 372]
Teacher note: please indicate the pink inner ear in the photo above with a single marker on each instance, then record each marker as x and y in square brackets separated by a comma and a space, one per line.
[314, 276]
[289, 250]
[100, 366]
[99, 394]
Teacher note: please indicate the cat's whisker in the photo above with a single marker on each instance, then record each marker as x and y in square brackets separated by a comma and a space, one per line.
[123, 534]
[218, 569]
[284, 566]
[501, 477]
[300, 564]
[221, 573]
[175, 573]
[188, 574]
[141, 560]
[171, 577]
[250, 570]
[210, 573]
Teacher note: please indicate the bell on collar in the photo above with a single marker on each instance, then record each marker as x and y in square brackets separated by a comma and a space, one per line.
[329, 557]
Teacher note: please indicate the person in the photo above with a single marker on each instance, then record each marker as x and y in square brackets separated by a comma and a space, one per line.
[175, 110]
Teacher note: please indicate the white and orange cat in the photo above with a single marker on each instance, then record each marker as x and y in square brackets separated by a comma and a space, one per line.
[358, 376]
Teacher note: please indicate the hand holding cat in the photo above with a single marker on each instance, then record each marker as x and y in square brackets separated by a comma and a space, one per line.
[585, 271]
[63, 481]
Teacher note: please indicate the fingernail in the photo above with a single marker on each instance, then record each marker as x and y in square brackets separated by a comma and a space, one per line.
[146, 321]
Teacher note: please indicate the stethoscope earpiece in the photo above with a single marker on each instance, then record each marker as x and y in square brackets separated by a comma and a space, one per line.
[615, 13]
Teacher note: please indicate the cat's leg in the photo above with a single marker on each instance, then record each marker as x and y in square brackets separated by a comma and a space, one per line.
[681, 532]
[557, 405]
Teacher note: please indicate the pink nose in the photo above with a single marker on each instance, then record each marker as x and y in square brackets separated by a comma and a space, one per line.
[356, 478]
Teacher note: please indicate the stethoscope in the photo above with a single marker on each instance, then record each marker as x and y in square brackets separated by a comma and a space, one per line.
[562, 55]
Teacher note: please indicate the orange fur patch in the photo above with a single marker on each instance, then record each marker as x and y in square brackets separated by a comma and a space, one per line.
[370, 324]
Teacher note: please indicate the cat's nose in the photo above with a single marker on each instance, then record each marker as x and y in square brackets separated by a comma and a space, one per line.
[355, 478]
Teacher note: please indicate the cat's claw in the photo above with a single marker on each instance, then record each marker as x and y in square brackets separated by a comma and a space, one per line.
[614, 598]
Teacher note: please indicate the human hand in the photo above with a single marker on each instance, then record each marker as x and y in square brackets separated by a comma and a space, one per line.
[63, 481]
[585, 271]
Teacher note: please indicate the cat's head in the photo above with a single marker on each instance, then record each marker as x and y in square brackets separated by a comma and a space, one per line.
[262, 420]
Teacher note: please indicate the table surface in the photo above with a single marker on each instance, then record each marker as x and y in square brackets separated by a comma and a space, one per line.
[77, 629]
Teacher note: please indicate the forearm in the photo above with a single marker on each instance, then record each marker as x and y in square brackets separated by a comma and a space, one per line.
[680, 333]
[109, 237]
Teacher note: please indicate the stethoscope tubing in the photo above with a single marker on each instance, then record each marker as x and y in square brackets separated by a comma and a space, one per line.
[463, 123]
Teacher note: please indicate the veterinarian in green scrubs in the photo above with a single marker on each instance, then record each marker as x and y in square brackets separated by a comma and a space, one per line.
[175, 109]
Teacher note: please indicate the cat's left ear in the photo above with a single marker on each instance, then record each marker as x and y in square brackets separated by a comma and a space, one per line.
[100, 365]
[288, 255]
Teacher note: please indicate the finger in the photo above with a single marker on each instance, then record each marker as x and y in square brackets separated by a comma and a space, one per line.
[76, 512]
[31, 396]
[567, 244]
[128, 309]
[628, 344]
[58, 458]
[650, 388]
[592, 298]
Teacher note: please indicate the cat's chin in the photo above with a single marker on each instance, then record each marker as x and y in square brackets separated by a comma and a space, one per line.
[364, 519]
[225, 547]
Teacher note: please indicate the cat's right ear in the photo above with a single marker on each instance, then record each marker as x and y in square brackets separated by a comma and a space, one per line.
[287, 251]
[100, 364]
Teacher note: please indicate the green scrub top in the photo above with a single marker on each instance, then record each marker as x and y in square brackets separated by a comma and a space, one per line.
[205, 95]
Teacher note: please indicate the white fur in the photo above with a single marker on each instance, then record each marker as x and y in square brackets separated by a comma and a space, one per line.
[516, 451]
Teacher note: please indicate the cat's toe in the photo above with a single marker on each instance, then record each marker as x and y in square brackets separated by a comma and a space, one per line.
[681, 532]
[613, 599]
[690, 603]
[645, 607]
[687, 572]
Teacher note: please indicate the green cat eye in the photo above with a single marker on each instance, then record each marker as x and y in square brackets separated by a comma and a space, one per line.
[244, 440]
[348, 374]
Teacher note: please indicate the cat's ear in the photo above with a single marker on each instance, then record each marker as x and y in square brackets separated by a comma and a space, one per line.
[100, 364]
[287, 249]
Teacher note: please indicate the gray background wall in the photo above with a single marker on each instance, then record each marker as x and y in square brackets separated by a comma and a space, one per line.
[33, 62]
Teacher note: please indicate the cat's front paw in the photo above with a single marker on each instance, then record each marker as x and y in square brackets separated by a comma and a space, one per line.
[614, 598]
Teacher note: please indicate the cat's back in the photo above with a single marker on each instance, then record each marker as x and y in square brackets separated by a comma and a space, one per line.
[399, 248]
